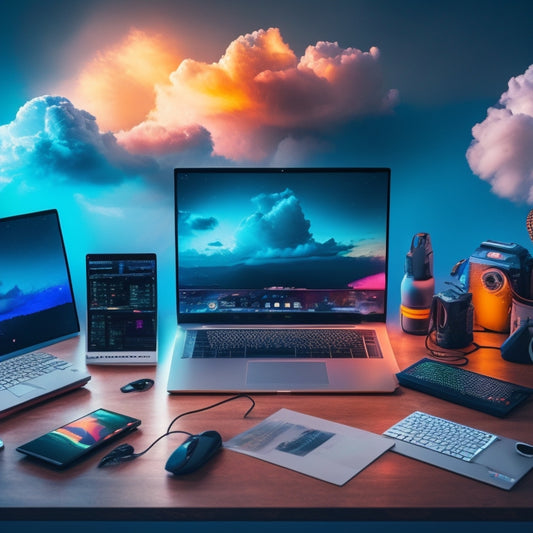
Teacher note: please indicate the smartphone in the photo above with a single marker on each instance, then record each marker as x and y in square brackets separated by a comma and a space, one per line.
[71, 442]
[121, 308]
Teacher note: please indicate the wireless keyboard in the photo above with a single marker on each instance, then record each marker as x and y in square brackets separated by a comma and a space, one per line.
[464, 387]
[441, 435]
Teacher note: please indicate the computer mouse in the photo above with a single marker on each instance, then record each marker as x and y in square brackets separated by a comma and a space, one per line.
[194, 452]
[524, 449]
[139, 385]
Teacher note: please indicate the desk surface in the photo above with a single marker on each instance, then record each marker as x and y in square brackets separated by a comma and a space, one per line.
[233, 486]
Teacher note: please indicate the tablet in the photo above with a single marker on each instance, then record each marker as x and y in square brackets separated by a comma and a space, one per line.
[121, 308]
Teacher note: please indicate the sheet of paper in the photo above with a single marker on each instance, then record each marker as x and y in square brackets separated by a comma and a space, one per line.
[319, 448]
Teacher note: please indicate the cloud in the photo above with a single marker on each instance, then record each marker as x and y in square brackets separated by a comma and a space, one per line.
[276, 230]
[259, 94]
[192, 223]
[100, 210]
[502, 150]
[49, 137]
[118, 85]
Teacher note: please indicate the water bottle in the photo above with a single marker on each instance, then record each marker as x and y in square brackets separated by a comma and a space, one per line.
[418, 286]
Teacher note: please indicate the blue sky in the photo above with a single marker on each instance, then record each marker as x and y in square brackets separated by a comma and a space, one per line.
[424, 75]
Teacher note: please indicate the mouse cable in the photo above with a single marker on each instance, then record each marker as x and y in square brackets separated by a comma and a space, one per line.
[236, 397]
[126, 452]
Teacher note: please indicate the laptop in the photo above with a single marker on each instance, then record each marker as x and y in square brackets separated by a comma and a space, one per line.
[294, 258]
[121, 308]
[37, 310]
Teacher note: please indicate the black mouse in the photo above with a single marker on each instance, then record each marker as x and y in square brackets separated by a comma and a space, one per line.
[138, 385]
[194, 452]
[524, 449]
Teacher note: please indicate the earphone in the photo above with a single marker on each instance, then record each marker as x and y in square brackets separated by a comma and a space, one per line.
[125, 452]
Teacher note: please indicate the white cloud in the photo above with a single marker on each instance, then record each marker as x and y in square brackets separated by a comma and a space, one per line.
[50, 138]
[502, 150]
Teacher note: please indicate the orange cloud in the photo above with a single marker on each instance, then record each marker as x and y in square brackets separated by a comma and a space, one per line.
[259, 93]
[243, 107]
[118, 85]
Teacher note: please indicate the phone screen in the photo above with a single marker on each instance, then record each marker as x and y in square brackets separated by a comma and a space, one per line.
[72, 441]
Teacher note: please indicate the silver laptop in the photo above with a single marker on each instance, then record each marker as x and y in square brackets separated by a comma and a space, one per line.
[37, 309]
[282, 281]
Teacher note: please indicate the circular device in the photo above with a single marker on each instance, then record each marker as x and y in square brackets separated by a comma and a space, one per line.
[493, 280]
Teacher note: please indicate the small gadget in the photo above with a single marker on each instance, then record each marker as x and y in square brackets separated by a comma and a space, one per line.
[524, 449]
[493, 273]
[452, 319]
[121, 308]
[418, 286]
[69, 443]
[518, 347]
[194, 452]
[464, 387]
[139, 385]
[282, 281]
[37, 310]
[465, 450]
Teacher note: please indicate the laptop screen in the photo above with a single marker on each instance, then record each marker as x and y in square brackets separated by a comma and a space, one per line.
[273, 245]
[36, 300]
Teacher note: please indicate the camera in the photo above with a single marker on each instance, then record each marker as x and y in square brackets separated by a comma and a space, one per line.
[497, 271]
[452, 319]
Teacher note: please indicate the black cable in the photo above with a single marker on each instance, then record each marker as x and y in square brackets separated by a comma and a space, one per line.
[126, 453]
[454, 357]
[236, 397]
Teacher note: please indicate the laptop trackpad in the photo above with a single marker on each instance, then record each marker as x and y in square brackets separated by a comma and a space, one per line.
[286, 373]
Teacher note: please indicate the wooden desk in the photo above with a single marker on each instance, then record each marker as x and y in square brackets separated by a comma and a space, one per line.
[236, 487]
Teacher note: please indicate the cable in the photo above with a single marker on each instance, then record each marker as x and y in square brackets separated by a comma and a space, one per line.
[125, 452]
[454, 357]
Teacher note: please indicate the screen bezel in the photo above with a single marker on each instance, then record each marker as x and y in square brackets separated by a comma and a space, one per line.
[280, 318]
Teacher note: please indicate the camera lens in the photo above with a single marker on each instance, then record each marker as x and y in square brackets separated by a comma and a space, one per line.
[493, 280]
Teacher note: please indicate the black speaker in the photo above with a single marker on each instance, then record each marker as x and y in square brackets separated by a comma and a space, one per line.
[452, 319]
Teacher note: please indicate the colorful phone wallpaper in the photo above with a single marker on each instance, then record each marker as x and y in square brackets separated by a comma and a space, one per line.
[85, 432]
[103, 99]
[68, 443]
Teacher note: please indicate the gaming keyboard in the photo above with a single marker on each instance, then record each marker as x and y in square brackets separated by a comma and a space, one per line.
[464, 387]
[441, 435]
[283, 342]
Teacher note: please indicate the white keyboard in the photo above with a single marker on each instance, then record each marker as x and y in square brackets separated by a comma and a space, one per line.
[441, 435]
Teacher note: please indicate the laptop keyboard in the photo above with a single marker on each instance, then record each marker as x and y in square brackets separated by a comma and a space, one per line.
[294, 343]
[28, 366]
[441, 435]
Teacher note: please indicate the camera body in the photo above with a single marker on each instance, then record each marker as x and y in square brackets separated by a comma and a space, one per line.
[496, 271]
[452, 319]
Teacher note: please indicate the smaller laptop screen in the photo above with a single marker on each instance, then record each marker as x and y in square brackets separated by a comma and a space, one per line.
[36, 300]
[121, 302]
[281, 245]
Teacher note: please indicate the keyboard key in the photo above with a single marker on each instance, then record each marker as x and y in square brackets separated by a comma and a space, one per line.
[441, 435]
[279, 342]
